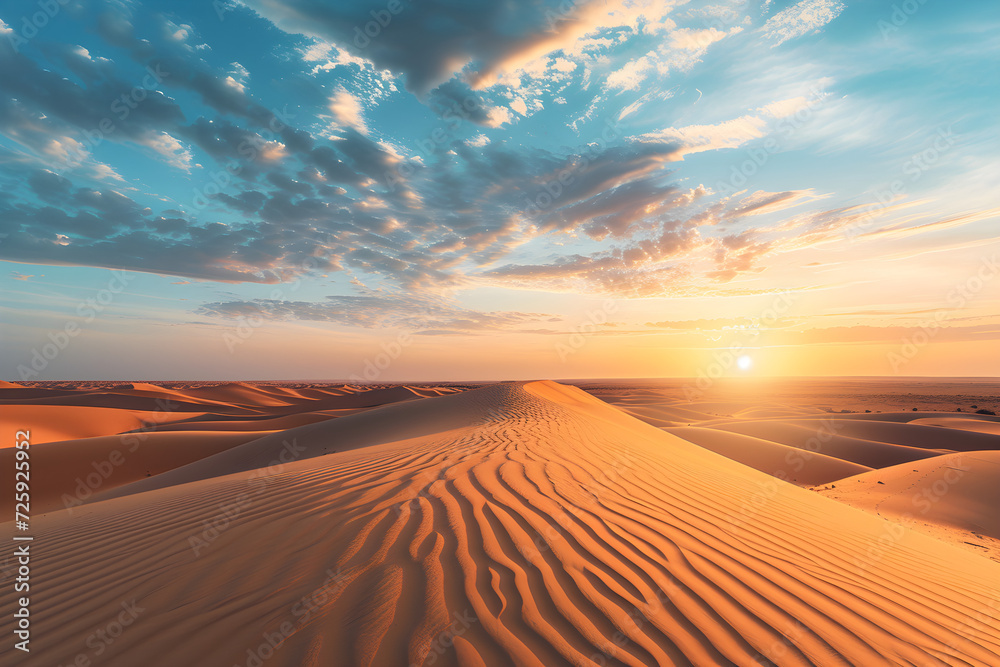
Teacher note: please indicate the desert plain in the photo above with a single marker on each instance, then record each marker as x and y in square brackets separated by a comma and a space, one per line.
[783, 522]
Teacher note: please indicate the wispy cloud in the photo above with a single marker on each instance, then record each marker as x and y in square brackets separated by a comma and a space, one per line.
[801, 19]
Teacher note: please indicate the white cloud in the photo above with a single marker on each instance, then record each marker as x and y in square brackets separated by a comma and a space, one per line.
[348, 111]
[801, 19]
[272, 151]
[478, 141]
[684, 49]
[639, 103]
[176, 154]
[65, 150]
[691, 39]
[497, 116]
[234, 84]
[698, 138]
[519, 106]
[101, 172]
[579, 30]
[783, 108]
[631, 76]
[563, 65]
[330, 56]
[239, 72]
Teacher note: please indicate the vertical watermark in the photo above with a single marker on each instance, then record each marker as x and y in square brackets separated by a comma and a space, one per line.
[22, 540]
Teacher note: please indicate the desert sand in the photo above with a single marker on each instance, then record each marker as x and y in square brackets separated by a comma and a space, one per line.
[523, 523]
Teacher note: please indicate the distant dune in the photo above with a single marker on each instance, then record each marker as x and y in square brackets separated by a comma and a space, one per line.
[525, 523]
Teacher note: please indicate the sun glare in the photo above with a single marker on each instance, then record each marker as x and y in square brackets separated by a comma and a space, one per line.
[745, 363]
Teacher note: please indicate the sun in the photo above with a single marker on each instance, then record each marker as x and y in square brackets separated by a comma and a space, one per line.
[745, 363]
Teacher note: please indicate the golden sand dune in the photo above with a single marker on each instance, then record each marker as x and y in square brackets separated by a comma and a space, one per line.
[50, 423]
[518, 524]
[958, 491]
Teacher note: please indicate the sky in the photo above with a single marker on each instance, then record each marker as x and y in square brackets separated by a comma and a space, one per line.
[392, 190]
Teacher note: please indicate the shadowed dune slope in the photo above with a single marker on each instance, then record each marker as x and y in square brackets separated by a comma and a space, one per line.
[791, 464]
[65, 474]
[828, 437]
[915, 434]
[518, 524]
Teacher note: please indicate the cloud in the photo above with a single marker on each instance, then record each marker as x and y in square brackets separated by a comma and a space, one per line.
[347, 110]
[883, 334]
[377, 311]
[173, 151]
[761, 202]
[430, 42]
[455, 102]
[680, 52]
[731, 133]
[631, 75]
[412, 192]
[699, 138]
[105, 228]
[717, 324]
[801, 19]
[48, 185]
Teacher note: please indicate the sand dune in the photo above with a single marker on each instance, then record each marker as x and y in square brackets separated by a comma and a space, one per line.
[913, 435]
[66, 473]
[238, 393]
[525, 524]
[211, 422]
[50, 423]
[656, 413]
[958, 491]
[131, 400]
[828, 437]
[791, 464]
[966, 424]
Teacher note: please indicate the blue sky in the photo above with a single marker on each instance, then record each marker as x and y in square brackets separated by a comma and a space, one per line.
[327, 177]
